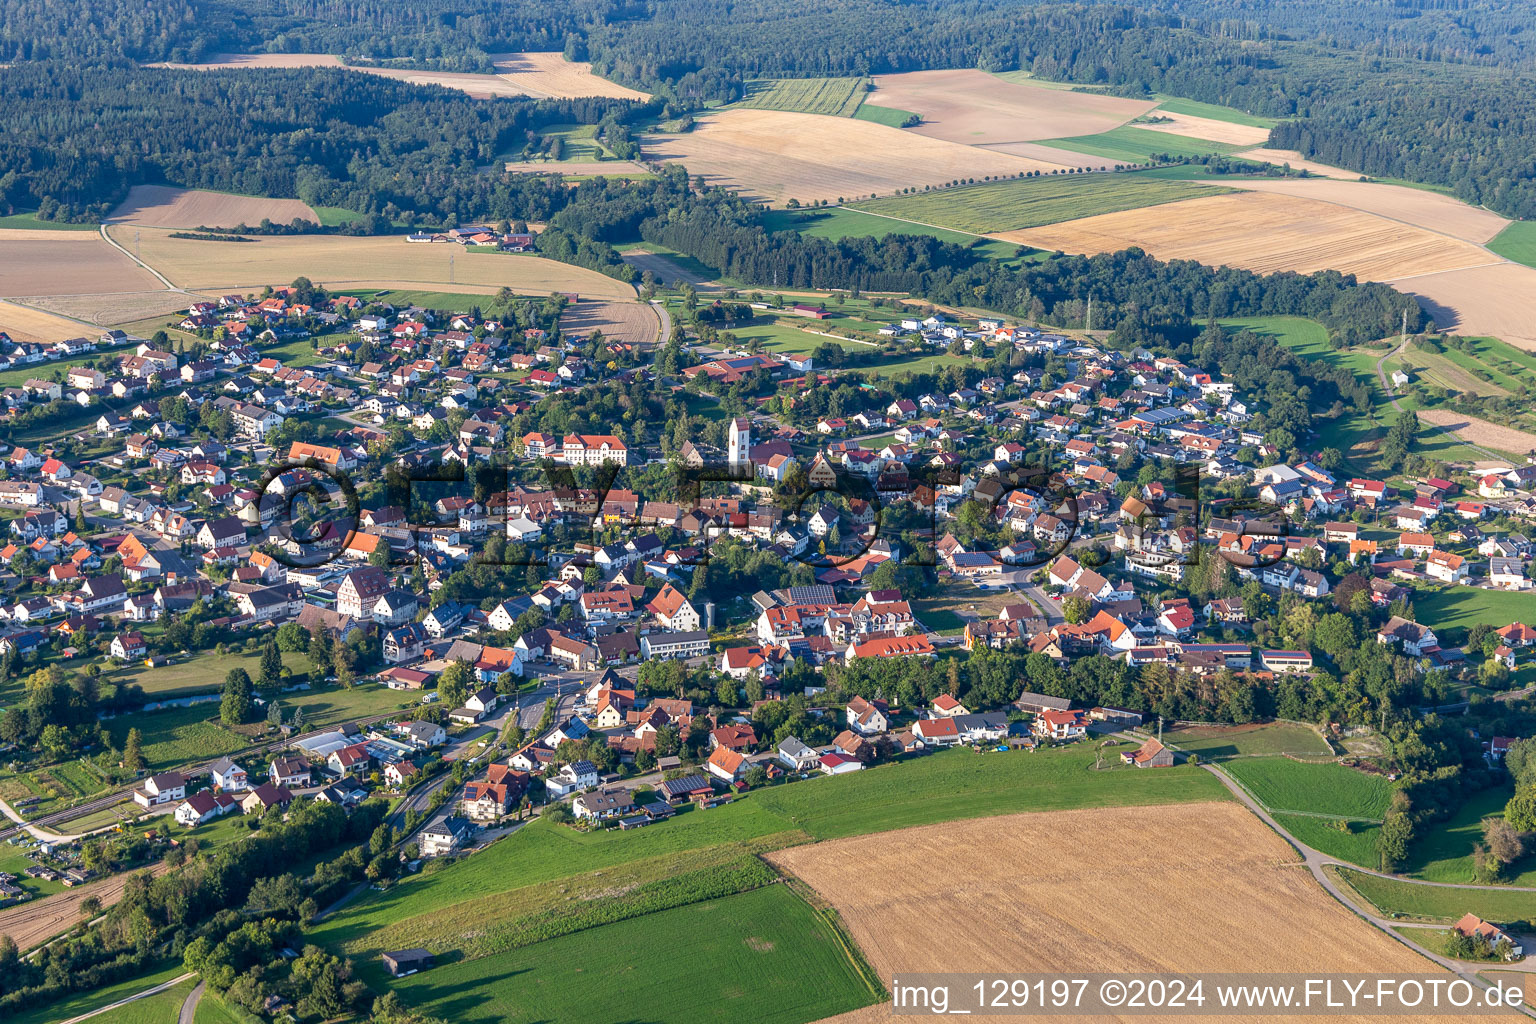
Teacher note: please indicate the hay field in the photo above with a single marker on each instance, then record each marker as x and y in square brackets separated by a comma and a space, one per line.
[163, 207]
[65, 263]
[836, 97]
[1134, 889]
[1497, 300]
[633, 322]
[773, 156]
[34, 325]
[540, 75]
[1481, 432]
[381, 261]
[1265, 233]
[1296, 160]
[112, 309]
[976, 108]
[1207, 128]
[1432, 211]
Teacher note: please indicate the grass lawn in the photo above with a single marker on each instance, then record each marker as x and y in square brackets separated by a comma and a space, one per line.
[531, 914]
[1306, 337]
[1031, 202]
[85, 1002]
[335, 216]
[1357, 846]
[204, 672]
[836, 97]
[765, 953]
[156, 1009]
[1517, 242]
[951, 785]
[542, 852]
[1451, 610]
[888, 116]
[297, 352]
[1225, 741]
[30, 222]
[13, 861]
[175, 736]
[1285, 785]
[945, 786]
[1437, 903]
[1444, 854]
[1137, 145]
[1194, 108]
[211, 1010]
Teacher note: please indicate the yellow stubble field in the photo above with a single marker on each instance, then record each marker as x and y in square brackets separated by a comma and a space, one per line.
[1266, 233]
[164, 207]
[64, 263]
[347, 261]
[975, 108]
[540, 75]
[1185, 888]
[34, 325]
[773, 156]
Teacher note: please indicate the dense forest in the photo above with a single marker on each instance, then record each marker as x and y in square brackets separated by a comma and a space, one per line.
[1439, 91]
[330, 137]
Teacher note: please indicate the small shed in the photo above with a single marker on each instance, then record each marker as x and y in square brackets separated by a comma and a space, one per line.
[402, 962]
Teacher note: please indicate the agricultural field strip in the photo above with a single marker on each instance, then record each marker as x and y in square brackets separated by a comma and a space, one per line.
[1035, 202]
[1012, 920]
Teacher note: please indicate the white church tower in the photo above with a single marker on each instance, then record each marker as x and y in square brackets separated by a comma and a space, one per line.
[740, 452]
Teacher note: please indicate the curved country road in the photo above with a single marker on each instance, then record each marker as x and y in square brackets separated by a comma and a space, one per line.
[189, 1006]
[1314, 861]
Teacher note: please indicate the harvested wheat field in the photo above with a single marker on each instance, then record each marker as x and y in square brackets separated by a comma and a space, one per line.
[1132, 889]
[34, 325]
[1296, 160]
[1497, 300]
[974, 107]
[338, 260]
[64, 263]
[540, 75]
[773, 156]
[109, 309]
[1429, 210]
[1207, 128]
[36, 921]
[163, 207]
[1481, 432]
[632, 322]
[1265, 233]
[550, 74]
